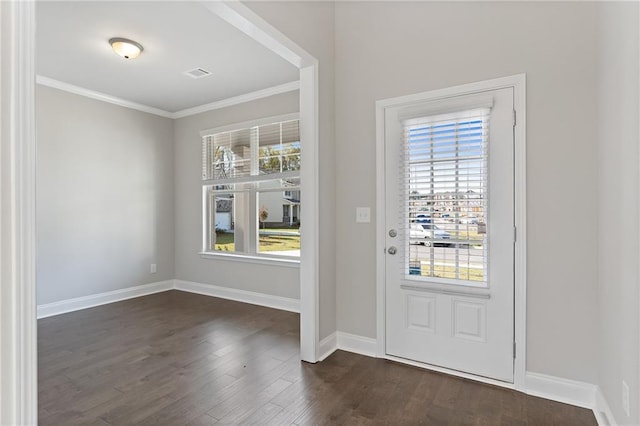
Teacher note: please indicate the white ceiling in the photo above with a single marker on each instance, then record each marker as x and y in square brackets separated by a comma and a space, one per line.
[72, 47]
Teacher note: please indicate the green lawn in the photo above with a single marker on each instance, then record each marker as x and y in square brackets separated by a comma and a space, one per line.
[470, 274]
[464, 235]
[224, 241]
[288, 240]
[279, 242]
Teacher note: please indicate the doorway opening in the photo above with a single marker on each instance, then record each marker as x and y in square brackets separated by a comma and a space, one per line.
[21, 352]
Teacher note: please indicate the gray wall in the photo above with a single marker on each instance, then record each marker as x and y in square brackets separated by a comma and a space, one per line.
[400, 49]
[104, 196]
[189, 265]
[310, 25]
[618, 117]
[581, 61]
[392, 49]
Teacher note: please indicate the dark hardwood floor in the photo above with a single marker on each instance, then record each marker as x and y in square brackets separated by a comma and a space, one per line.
[176, 358]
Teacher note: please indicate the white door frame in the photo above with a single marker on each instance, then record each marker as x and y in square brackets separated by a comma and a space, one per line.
[248, 22]
[518, 83]
[18, 344]
[18, 349]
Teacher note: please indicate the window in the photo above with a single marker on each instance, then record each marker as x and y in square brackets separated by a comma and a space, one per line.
[445, 182]
[251, 190]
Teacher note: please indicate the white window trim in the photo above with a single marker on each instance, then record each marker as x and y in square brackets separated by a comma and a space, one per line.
[250, 257]
[286, 261]
[250, 123]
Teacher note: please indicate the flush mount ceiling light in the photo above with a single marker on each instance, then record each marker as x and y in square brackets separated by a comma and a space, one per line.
[126, 48]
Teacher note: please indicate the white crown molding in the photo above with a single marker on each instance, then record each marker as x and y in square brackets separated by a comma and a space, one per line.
[224, 103]
[49, 82]
[84, 302]
[261, 299]
[247, 97]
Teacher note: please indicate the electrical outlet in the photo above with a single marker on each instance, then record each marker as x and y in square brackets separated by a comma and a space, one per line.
[363, 215]
[625, 398]
[152, 268]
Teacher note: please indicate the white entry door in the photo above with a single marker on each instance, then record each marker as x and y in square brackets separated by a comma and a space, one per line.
[449, 263]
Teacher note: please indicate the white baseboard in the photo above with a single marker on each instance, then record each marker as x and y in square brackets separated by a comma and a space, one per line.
[572, 392]
[567, 391]
[277, 302]
[346, 342]
[580, 394]
[84, 302]
[327, 346]
[357, 344]
[603, 413]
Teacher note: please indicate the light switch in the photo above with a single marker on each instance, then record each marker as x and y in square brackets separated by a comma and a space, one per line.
[363, 214]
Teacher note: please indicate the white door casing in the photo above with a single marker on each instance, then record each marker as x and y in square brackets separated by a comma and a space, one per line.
[18, 331]
[432, 321]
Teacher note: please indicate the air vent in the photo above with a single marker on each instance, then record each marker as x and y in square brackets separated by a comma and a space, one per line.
[197, 73]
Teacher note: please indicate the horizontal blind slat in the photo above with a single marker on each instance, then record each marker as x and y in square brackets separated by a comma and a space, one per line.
[229, 156]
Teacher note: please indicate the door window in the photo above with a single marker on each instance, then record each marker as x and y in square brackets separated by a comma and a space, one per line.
[444, 178]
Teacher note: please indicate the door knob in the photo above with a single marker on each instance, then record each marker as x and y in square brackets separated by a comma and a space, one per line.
[392, 250]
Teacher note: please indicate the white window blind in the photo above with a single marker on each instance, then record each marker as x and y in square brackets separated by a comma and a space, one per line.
[444, 181]
[247, 155]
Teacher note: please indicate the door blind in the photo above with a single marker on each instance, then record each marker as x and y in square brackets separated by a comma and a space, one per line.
[444, 181]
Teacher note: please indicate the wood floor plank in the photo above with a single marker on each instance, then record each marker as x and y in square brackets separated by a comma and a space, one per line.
[176, 358]
[203, 420]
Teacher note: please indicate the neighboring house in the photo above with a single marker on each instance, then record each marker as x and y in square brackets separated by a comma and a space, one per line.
[291, 207]
[468, 203]
[224, 214]
[283, 209]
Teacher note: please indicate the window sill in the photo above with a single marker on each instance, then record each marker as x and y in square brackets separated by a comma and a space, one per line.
[259, 260]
